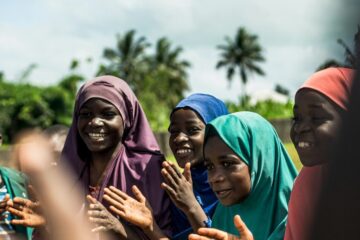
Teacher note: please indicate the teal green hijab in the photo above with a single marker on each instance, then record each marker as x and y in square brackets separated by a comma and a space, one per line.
[272, 173]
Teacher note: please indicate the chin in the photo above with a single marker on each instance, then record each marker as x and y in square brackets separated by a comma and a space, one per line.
[311, 162]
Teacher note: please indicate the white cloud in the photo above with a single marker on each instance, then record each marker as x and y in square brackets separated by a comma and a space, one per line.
[296, 37]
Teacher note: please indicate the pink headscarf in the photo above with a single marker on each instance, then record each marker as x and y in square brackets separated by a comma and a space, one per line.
[138, 161]
[334, 83]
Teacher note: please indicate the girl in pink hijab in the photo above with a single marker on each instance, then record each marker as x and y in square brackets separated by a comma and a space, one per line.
[110, 143]
[318, 109]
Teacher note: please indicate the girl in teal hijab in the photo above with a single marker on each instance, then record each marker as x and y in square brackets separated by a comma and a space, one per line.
[251, 174]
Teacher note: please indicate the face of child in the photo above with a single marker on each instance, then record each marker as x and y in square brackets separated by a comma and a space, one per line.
[100, 125]
[186, 137]
[316, 123]
[228, 175]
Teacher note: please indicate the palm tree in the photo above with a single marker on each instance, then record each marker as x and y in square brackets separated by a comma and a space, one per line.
[241, 54]
[170, 71]
[126, 61]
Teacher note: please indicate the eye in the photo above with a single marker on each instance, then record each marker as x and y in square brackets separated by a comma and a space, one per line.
[84, 114]
[194, 130]
[227, 164]
[109, 114]
[173, 131]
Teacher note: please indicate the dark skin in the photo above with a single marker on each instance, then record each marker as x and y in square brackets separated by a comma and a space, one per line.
[316, 123]
[228, 175]
[216, 234]
[229, 178]
[186, 140]
[101, 128]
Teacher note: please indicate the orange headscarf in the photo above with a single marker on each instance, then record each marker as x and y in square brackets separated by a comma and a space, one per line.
[335, 84]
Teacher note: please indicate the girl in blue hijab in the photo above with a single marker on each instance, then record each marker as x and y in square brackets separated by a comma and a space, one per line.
[190, 192]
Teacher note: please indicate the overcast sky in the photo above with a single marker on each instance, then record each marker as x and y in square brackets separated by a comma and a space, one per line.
[297, 36]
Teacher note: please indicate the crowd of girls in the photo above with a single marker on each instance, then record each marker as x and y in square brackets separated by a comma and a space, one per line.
[233, 179]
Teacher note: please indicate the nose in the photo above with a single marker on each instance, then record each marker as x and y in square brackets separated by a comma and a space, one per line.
[181, 137]
[301, 126]
[96, 121]
[215, 176]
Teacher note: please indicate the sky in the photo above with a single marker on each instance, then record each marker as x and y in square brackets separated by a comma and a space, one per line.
[297, 36]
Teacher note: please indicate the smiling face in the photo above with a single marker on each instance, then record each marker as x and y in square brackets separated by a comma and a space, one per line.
[100, 125]
[228, 175]
[186, 137]
[316, 124]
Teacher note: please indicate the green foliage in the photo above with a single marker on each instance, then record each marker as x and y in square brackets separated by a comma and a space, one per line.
[158, 79]
[268, 109]
[27, 106]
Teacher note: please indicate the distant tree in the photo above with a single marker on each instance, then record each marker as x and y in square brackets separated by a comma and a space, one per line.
[282, 90]
[241, 55]
[169, 72]
[127, 59]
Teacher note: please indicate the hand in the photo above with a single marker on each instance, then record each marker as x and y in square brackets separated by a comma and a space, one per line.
[27, 211]
[136, 211]
[212, 233]
[103, 219]
[179, 186]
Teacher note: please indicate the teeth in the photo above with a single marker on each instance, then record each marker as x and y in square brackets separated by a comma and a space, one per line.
[183, 151]
[96, 135]
[304, 144]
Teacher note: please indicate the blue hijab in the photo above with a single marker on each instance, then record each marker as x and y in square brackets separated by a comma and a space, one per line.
[208, 108]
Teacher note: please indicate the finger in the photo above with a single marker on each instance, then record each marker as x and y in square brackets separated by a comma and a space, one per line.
[91, 199]
[174, 171]
[116, 194]
[22, 201]
[169, 179]
[18, 222]
[118, 211]
[171, 192]
[100, 221]
[98, 229]
[113, 202]
[197, 237]
[244, 232]
[138, 194]
[4, 201]
[187, 172]
[96, 214]
[15, 212]
[212, 233]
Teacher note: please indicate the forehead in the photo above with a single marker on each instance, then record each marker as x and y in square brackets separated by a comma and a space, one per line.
[308, 98]
[185, 115]
[97, 103]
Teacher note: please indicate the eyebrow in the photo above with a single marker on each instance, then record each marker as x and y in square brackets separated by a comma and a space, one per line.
[313, 105]
[187, 121]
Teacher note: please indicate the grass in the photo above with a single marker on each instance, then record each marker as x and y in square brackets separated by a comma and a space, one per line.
[289, 147]
[293, 154]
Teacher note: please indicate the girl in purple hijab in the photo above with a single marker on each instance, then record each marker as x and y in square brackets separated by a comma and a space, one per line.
[110, 143]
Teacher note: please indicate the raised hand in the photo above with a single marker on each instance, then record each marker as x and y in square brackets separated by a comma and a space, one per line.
[179, 186]
[27, 211]
[212, 233]
[104, 221]
[136, 211]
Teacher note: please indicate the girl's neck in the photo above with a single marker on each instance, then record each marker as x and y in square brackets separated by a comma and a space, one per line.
[99, 163]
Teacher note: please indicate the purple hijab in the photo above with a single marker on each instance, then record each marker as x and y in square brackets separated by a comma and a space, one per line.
[138, 161]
